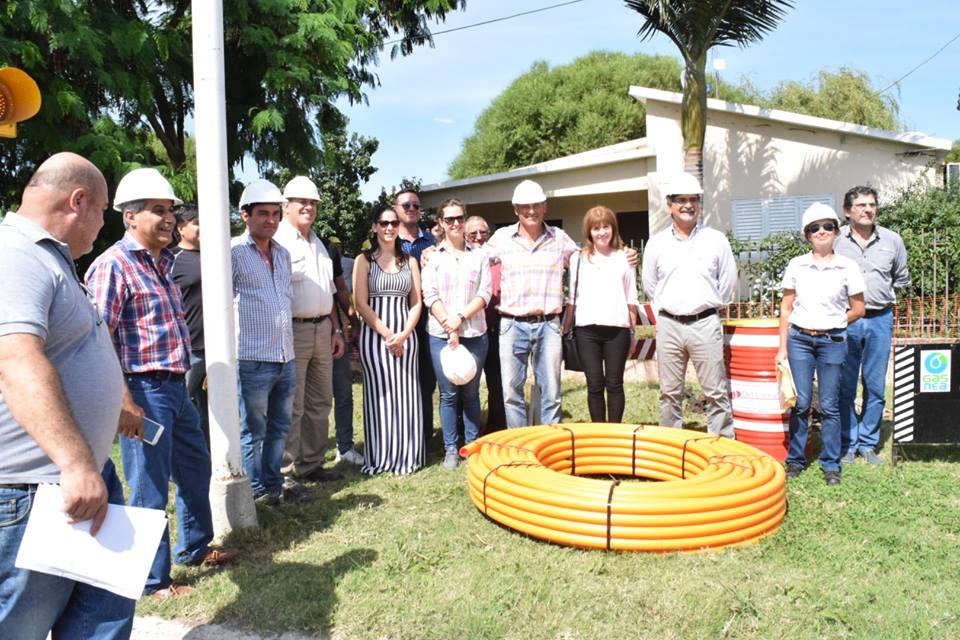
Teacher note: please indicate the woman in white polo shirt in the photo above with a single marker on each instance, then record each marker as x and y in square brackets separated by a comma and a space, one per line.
[822, 294]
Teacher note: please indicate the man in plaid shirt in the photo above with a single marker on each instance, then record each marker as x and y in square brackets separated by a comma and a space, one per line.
[133, 286]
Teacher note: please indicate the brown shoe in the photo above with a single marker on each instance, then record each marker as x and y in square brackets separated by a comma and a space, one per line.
[219, 557]
[173, 591]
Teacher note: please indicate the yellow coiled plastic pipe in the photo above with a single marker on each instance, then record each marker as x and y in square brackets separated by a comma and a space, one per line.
[714, 491]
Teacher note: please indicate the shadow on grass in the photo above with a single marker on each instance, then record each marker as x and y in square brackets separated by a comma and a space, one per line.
[303, 595]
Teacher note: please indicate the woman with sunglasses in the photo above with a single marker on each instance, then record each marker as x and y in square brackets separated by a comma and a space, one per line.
[822, 294]
[386, 286]
[456, 290]
[603, 307]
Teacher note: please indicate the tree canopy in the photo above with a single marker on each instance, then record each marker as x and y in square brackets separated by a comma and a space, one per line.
[695, 28]
[117, 77]
[551, 112]
[547, 113]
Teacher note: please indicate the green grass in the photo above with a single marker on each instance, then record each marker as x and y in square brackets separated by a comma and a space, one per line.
[389, 557]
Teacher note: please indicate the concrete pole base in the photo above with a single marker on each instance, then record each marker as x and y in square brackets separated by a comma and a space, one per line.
[231, 505]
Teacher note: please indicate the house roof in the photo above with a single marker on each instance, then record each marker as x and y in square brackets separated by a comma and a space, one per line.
[610, 154]
[915, 138]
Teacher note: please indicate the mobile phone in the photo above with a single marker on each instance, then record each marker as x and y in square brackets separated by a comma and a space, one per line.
[152, 430]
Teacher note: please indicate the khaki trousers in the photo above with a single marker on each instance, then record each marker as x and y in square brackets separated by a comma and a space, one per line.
[700, 342]
[310, 429]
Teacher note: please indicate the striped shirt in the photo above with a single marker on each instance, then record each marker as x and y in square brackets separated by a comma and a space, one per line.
[456, 281]
[141, 303]
[531, 278]
[416, 246]
[262, 301]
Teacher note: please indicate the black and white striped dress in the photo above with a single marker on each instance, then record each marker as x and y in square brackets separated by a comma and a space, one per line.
[392, 413]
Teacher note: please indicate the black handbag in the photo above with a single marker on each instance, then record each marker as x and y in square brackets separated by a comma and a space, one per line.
[571, 354]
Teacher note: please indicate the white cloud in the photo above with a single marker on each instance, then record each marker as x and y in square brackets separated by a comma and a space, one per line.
[444, 120]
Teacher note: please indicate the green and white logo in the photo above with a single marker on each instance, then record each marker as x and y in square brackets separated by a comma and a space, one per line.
[935, 371]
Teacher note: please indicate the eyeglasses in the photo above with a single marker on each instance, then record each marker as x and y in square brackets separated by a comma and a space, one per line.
[452, 220]
[388, 223]
[410, 205]
[479, 233]
[93, 300]
[829, 227]
[865, 205]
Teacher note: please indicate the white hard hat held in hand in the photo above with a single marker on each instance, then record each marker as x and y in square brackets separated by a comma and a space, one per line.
[458, 364]
[143, 184]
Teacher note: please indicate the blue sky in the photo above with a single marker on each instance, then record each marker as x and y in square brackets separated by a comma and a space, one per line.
[428, 102]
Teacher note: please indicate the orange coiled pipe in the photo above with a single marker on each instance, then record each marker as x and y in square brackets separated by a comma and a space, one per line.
[713, 491]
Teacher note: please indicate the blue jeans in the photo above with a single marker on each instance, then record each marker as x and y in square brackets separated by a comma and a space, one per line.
[198, 395]
[518, 342]
[32, 603]
[181, 456]
[454, 396]
[266, 410]
[343, 400]
[825, 355]
[868, 346]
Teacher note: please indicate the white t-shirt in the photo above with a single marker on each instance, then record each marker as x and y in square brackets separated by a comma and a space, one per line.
[607, 286]
[823, 291]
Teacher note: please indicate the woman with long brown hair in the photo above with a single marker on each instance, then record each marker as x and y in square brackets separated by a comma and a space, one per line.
[604, 308]
[386, 286]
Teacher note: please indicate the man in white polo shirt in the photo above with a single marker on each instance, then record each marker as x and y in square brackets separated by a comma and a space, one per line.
[689, 272]
[317, 336]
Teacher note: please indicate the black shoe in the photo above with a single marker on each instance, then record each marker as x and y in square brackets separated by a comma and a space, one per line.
[793, 470]
[831, 477]
[297, 495]
[322, 475]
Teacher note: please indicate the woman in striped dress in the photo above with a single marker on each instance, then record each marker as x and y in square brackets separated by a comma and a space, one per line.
[386, 285]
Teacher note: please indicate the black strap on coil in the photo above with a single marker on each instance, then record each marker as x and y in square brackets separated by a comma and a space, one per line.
[683, 457]
[633, 452]
[515, 463]
[573, 447]
[613, 485]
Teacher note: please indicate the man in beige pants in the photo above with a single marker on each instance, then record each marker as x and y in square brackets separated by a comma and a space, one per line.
[689, 272]
[317, 336]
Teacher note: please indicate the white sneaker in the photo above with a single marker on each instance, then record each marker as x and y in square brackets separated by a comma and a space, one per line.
[351, 456]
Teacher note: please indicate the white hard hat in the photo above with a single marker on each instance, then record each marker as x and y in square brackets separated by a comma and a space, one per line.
[458, 364]
[528, 192]
[301, 187]
[143, 184]
[683, 184]
[261, 191]
[819, 211]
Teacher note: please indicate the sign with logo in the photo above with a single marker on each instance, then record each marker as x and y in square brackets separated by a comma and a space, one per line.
[935, 371]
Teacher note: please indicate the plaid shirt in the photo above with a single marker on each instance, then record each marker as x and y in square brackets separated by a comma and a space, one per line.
[141, 304]
[531, 278]
[456, 282]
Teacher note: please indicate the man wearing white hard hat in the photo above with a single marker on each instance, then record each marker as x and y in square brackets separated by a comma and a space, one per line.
[133, 284]
[689, 272]
[266, 363]
[317, 335]
[533, 256]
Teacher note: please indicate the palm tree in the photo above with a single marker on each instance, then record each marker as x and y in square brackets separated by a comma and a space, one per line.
[696, 26]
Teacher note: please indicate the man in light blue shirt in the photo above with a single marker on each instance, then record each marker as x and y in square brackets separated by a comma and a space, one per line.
[267, 372]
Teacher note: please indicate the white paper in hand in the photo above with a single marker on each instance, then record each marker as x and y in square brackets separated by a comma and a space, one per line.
[118, 559]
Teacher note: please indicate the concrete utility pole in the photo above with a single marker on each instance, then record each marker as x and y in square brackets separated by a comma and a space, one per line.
[231, 499]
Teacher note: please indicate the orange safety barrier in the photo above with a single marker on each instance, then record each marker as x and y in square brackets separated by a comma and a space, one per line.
[714, 491]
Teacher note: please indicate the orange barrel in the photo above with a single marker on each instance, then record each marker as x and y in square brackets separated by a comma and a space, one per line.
[750, 348]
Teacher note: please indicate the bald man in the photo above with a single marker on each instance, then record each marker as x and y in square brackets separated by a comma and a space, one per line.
[60, 396]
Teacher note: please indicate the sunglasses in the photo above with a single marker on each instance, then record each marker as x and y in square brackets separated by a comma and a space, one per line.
[452, 220]
[410, 205]
[829, 227]
[388, 223]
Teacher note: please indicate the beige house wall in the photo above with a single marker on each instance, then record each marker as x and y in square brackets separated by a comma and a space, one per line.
[746, 157]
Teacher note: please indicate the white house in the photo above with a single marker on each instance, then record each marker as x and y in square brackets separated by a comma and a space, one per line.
[762, 167]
